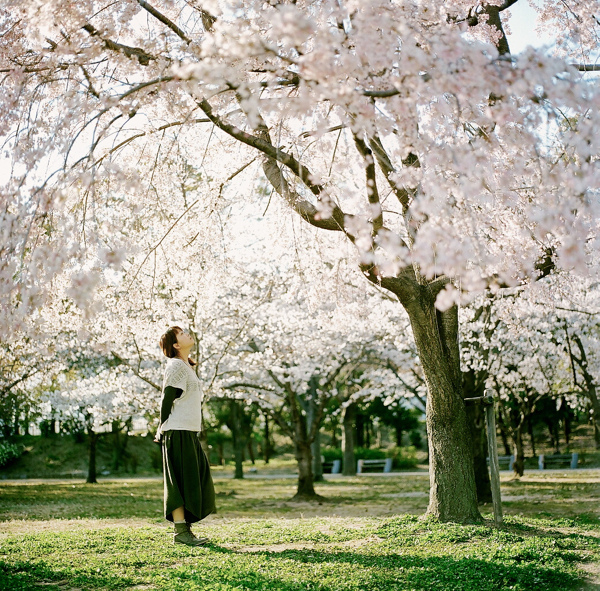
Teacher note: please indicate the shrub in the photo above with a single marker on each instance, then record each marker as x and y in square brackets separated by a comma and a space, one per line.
[332, 453]
[404, 457]
[366, 453]
[9, 452]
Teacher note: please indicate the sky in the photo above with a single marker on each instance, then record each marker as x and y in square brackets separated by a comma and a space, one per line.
[522, 23]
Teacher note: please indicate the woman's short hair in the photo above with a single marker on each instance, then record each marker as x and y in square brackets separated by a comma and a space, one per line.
[168, 342]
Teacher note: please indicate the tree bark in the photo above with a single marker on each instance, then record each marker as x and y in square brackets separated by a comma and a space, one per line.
[453, 493]
[349, 462]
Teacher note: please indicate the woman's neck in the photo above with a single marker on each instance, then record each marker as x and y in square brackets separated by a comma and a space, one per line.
[184, 356]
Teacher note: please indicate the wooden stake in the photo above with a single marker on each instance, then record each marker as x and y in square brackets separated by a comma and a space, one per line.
[490, 423]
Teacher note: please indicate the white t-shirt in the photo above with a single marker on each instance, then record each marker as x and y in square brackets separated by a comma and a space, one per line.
[186, 414]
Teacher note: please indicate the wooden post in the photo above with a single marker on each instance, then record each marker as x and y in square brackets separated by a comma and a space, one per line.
[490, 423]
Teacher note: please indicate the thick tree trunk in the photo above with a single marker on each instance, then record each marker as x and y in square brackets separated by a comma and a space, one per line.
[349, 461]
[306, 489]
[453, 494]
[93, 441]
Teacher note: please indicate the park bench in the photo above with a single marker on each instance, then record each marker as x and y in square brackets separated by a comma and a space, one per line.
[364, 465]
[558, 461]
[333, 467]
[504, 462]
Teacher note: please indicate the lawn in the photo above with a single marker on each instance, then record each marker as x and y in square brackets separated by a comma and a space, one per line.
[67, 535]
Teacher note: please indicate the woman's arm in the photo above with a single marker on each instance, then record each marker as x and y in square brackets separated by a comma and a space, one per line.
[170, 394]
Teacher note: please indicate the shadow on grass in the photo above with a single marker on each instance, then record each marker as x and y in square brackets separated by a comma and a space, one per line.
[353, 570]
[25, 576]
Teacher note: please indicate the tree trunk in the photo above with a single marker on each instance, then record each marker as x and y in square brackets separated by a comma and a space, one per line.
[398, 429]
[359, 421]
[349, 418]
[519, 465]
[315, 446]
[93, 440]
[251, 451]
[238, 438]
[266, 447]
[473, 384]
[453, 494]
[503, 435]
[476, 416]
[531, 435]
[306, 489]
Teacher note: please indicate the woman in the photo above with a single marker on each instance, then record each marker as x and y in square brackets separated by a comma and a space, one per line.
[189, 491]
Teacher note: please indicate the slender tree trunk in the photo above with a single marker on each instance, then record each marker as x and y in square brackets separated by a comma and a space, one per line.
[317, 460]
[519, 465]
[251, 451]
[368, 431]
[453, 494]
[315, 446]
[503, 435]
[93, 441]
[474, 386]
[531, 435]
[266, 442]
[567, 425]
[334, 435]
[349, 419]
[398, 429]
[238, 439]
[359, 421]
[476, 416]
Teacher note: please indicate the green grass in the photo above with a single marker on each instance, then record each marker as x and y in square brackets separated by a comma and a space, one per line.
[69, 535]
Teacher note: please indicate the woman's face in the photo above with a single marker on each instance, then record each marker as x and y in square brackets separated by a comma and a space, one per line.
[184, 339]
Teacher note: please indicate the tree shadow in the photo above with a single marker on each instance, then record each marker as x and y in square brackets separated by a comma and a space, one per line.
[392, 570]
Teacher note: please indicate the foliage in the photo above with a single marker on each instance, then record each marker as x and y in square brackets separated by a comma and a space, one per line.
[404, 457]
[9, 452]
[369, 453]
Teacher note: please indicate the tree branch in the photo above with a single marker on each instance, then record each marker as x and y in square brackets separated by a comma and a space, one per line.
[163, 19]
[371, 181]
[143, 58]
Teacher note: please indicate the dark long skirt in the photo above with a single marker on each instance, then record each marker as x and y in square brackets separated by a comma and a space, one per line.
[187, 478]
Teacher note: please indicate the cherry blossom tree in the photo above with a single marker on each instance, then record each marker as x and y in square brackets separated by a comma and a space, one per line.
[406, 127]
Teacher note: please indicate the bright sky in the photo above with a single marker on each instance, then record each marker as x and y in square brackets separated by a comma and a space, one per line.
[522, 23]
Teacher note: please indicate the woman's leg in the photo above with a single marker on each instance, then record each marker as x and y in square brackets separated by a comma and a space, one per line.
[178, 514]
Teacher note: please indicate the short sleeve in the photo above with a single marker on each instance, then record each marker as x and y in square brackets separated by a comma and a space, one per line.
[176, 376]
